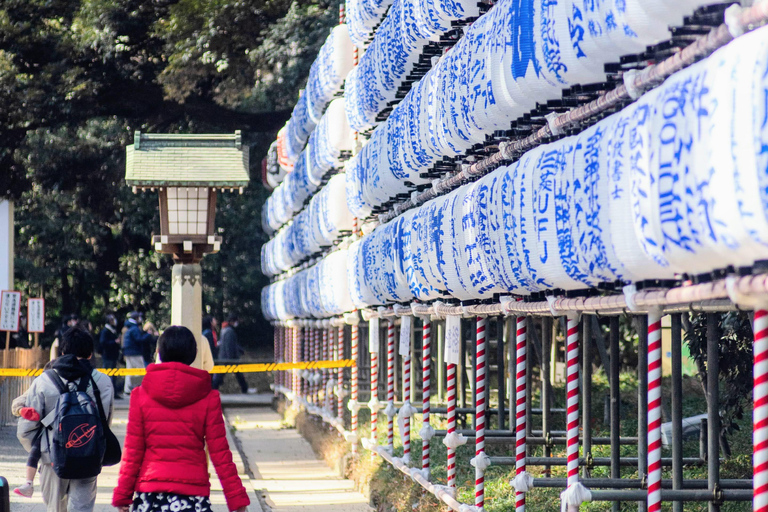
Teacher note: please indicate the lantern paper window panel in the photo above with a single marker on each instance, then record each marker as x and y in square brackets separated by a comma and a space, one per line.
[188, 210]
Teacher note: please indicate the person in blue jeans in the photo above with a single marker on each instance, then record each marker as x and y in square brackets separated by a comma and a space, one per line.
[134, 340]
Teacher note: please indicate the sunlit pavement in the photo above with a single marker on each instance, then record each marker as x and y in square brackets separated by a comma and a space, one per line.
[13, 459]
[287, 470]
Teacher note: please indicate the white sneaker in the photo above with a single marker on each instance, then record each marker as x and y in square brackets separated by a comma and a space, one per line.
[25, 490]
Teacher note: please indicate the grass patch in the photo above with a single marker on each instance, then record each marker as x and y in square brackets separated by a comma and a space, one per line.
[392, 491]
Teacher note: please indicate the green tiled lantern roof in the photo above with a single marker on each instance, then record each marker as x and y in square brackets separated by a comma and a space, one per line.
[158, 160]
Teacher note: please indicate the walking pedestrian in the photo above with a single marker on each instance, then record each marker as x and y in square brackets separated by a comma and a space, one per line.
[73, 365]
[109, 343]
[134, 340]
[210, 334]
[230, 350]
[67, 322]
[150, 347]
[176, 399]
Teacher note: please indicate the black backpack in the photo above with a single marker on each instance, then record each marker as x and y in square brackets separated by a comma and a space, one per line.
[79, 443]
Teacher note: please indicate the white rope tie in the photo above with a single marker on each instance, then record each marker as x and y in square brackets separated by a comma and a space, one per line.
[551, 118]
[481, 461]
[427, 432]
[353, 406]
[522, 482]
[574, 496]
[629, 83]
[732, 20]
[454, 440]
[630, 294]
[374, 404]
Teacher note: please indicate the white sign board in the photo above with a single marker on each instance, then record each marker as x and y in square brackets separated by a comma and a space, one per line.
[405, 336]
[36, 315]
[452, 339]
[10, 310]
[373, 336]
[6, 245]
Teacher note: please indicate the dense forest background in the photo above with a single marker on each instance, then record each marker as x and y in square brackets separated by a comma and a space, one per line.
[77, 77]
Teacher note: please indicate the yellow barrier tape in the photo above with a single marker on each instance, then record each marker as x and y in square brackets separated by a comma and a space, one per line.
[232, 368]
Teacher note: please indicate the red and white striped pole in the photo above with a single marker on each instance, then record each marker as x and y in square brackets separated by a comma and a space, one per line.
[654, 411]
[316, 374]
[324, 372]
[572, 404]
[426, 360]
[520, 407]
[374, 403]
[305, 346]
[295, 359]
[312, 356]
[390, 386]
[406, 433]
[760, 415]
[340, 377]
[451, 394]
[281, 355]
[355, 383]
[480, 403]
[276, 351]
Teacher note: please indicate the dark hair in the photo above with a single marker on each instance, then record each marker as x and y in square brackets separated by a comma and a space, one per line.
[76, 341]
[207, 319]
[177, 344]
[232, 318]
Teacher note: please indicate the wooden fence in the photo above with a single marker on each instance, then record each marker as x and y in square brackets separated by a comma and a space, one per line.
[10, 388]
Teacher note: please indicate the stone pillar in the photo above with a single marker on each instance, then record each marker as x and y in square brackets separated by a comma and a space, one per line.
[187, 308]
[6, 245]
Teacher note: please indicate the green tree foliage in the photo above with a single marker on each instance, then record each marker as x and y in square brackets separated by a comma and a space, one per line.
[78, 77]
[735, 359]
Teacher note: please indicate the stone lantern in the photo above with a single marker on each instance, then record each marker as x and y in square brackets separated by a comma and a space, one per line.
[187, 171]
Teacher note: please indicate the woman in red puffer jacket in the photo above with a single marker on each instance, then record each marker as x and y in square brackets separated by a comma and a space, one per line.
[173, 415]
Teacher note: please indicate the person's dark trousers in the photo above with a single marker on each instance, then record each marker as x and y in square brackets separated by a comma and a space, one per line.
[218, 378]
[111, 363]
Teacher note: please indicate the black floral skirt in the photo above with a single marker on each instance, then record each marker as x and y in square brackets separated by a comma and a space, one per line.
[169, 502]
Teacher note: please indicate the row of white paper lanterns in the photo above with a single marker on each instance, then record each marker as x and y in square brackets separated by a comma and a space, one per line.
[326, 78]
[511, 58]
[324, 152]
[396, 48]
[362, 17]
[320, 291]
[632, 232]
[317, 227]
[675, 183]
[672, 184]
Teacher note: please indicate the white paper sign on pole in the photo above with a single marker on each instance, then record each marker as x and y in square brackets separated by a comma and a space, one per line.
[452, 339]
[373, 335]
[36, 315]
[10, 310]
[405, 336]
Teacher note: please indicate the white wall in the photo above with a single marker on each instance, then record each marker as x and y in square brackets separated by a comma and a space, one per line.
[6, 245]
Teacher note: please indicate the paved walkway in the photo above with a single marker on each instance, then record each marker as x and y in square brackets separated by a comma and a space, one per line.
[286, 469]
[282, 462]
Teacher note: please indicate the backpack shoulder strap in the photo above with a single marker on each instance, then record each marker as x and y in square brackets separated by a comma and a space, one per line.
[57, 381]
[97, 394]
[82, 386]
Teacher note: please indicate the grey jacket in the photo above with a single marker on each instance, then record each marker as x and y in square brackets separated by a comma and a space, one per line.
[229, 348]
[42, 396]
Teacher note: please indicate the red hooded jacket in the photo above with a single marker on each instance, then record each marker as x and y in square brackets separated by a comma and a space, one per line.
[172, 416]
